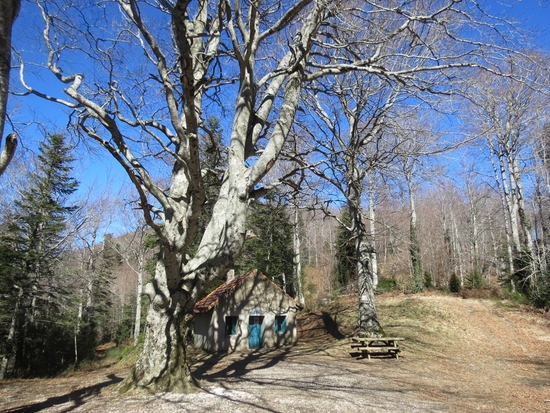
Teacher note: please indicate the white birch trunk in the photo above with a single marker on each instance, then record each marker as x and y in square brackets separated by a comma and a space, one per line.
[372, 234]
[506, 210]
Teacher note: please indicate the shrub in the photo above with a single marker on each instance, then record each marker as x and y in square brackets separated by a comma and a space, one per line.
[482, 293]
[386, 285]
[541, 297]
[517, 297]
[428, 280]
[475, 279]
[454, 283]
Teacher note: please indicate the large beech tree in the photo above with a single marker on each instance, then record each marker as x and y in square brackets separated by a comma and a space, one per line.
[146, 74]
[348, 144]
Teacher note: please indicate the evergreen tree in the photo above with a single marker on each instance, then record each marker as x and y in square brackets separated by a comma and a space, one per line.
[345, 270]
[454, 283]
[100, 313]
[269, 247]
[30, 249]
[213, 163]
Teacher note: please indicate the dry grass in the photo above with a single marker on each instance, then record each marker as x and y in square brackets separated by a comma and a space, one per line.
[473, 354]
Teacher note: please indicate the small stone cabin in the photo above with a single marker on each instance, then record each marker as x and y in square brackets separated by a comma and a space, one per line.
[248, 312]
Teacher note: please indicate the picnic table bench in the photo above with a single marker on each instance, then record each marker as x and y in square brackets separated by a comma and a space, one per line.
[376, 345]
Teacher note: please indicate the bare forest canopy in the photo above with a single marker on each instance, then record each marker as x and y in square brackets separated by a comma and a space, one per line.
[344, 146]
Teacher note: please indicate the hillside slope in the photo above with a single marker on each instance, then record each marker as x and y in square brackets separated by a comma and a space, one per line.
[475, 354]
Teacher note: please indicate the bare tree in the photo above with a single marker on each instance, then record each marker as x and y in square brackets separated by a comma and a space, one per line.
[344, 149]
[480, 223]
[542, 193]
[88, 227]
[507, 112]
[354, 114]
[420, 142]
[187, 58]
[414, 246]
[297, 261]
[134, 251]
[185, 75]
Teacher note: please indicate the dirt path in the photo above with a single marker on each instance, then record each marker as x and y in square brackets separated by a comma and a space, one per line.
[281, 382]
[459, 356]
[483, 357]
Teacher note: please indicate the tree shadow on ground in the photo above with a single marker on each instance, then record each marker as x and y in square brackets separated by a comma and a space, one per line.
[77, 398]
[237, 364]
[536, 364]
[331, 326]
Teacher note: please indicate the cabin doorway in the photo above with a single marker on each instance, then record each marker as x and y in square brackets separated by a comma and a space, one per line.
[255, 331]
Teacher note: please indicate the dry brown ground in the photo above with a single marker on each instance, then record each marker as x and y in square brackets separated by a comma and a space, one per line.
[459, 356]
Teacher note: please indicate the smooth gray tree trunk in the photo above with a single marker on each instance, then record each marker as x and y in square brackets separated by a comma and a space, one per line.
[163, 365]
[506, 215]
[367, 323]
[298, 289]
[8, 13]
[139, 292]
[372, 234]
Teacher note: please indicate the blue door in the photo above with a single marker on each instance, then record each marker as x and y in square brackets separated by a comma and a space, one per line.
[255, 332]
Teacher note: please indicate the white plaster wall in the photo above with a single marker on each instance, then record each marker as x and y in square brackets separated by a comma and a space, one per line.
[257, 296]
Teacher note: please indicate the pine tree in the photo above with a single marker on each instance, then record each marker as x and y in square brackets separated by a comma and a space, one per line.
[102, 297]
[270, 246]
[213, 163]
[345, 270]
[29, 252]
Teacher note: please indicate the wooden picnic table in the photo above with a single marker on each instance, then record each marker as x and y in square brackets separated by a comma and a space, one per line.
[376, 345]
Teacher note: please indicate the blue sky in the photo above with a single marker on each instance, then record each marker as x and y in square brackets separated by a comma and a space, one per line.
[96, 169]
[530, 14]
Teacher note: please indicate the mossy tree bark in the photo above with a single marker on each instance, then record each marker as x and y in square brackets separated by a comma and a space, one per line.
[367, 322]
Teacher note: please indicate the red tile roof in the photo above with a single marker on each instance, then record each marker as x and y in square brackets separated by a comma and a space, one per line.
[224, 290]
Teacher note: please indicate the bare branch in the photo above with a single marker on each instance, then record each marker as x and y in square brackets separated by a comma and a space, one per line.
[8, 151]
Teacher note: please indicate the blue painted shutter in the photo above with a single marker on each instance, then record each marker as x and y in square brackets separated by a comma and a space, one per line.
[280, 324]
